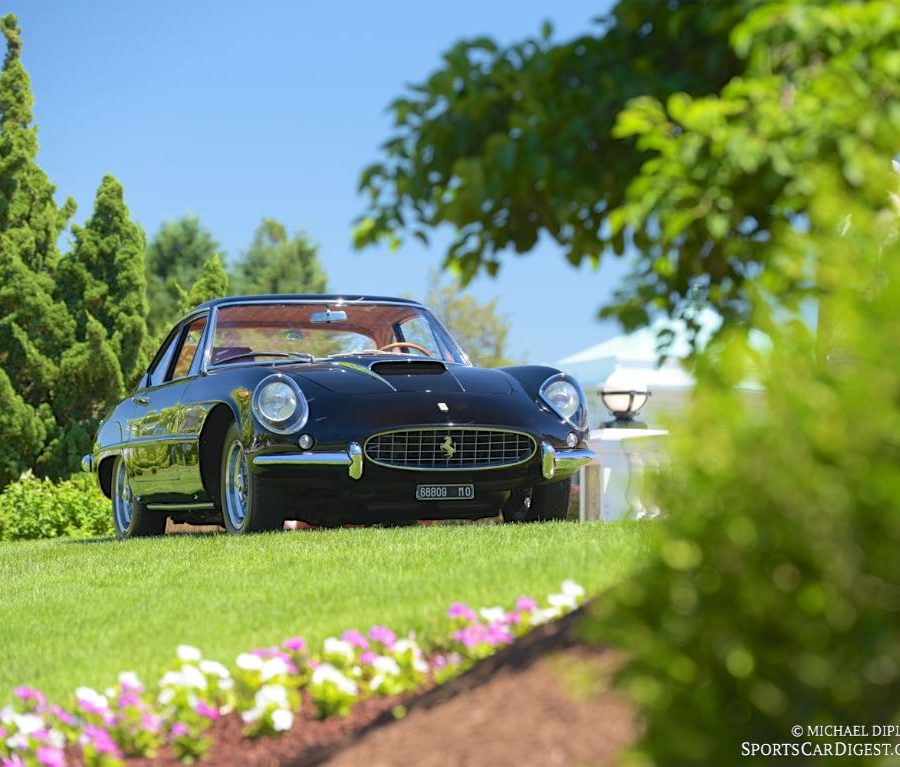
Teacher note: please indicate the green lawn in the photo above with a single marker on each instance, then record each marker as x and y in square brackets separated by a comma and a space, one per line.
[76, 613]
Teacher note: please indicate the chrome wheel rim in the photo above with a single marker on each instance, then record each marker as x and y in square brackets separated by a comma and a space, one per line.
[123, 500]
[237, 485]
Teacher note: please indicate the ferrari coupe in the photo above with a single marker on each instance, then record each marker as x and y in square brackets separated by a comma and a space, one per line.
[333, 410]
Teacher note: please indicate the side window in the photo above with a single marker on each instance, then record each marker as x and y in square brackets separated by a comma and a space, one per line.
[189, 344]
[164, 359]
[418, 331]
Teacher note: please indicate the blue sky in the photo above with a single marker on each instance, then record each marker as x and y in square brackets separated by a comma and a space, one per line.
[237, 110]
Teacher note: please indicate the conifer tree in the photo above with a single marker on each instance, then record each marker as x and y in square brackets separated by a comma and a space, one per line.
[104, 277]
[35, 328]
[276, 263]
[212, 283]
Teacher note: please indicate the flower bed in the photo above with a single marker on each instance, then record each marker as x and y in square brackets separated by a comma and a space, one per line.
[265, 688]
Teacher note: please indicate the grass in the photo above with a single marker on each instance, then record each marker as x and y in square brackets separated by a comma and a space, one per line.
[78, 612]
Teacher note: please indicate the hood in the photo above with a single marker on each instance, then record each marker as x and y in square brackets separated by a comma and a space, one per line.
[380, 376]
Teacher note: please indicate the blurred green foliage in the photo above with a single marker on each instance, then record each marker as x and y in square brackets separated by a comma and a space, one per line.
[33, 508]
[506, 143]
[775, 596]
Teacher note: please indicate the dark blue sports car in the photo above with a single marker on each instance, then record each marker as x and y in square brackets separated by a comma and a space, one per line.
[333, 410]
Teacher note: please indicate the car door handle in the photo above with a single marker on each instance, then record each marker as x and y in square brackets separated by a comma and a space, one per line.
[141, 400]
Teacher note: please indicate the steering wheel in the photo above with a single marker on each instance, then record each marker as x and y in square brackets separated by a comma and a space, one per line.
[396, 344]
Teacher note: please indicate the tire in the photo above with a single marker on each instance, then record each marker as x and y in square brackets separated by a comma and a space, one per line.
[543, 503]
[131, 519]
[249, 503]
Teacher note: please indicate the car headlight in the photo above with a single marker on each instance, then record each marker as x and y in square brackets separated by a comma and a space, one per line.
[565, 398]
[279, 404]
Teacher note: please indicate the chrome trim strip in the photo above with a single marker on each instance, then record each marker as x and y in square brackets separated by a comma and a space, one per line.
[181, 506]
[563, 463]
[548, 460]
[571, 460]
[450, 427]
[303, 459]
[353, 459]
[356, 461]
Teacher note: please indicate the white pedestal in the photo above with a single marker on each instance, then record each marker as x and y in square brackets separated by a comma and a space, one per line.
[611, 484]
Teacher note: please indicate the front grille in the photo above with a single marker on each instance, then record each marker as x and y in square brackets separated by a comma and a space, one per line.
[470, 448]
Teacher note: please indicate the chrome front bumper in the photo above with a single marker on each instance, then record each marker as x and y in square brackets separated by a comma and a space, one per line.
[563, 463]
[352, 458]
[554, 463]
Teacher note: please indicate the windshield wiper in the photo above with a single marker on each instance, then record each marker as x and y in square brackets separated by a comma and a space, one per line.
[294, 355]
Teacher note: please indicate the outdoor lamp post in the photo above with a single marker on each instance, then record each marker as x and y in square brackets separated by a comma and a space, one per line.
[624, 393]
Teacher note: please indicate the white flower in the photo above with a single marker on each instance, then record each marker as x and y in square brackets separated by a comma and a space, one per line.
[282, 719]
[165, 696]
[543, 616]
[325, 673]
[272, 667]
[91, 697]
[188, 654]
[110, 692]
[214, 668]
[334, 646]
[130, 679]
[385, 665]
[6, 714]
[492, 614]
[271, 695]
[226, 684]
[17, 741]
[405, 645]
[249, 662]
[562, 601]
[376, 682]
[192, 677]
[251, 715]
[171, 679]
[572, 589]
[56, 739]
[27, 724]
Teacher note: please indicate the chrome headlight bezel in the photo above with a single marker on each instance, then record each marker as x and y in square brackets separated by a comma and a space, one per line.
[578, 417]
[290, 424]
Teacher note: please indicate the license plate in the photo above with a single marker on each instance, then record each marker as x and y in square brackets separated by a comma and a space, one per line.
[445, 492]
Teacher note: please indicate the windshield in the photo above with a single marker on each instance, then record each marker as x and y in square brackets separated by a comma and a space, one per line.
[266, 331]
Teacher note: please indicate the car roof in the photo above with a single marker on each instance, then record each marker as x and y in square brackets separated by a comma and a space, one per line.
[324, 297]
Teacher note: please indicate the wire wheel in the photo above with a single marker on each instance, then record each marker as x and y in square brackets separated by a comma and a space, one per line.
[237, 485]
[123, 499]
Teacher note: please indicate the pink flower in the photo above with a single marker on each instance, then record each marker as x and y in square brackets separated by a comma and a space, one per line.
[294, 644]
[368, 657]
[30, 695]
[526, 604]
[64, 716]
[384, 635]
[355, 638]
[51, 757]
[128, 699]
[459, 610]
[179, 728]
[150, 722]
[497, 634]
[12, 761]
[101, 741]
[207, 711]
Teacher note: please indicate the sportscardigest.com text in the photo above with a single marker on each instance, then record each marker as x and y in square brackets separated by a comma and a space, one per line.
[813, 740]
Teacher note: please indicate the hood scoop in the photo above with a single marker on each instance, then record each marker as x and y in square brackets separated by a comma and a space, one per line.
[417, 376]
[408, 368]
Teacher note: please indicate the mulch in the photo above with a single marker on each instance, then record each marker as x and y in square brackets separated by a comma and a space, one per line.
[545, 700]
